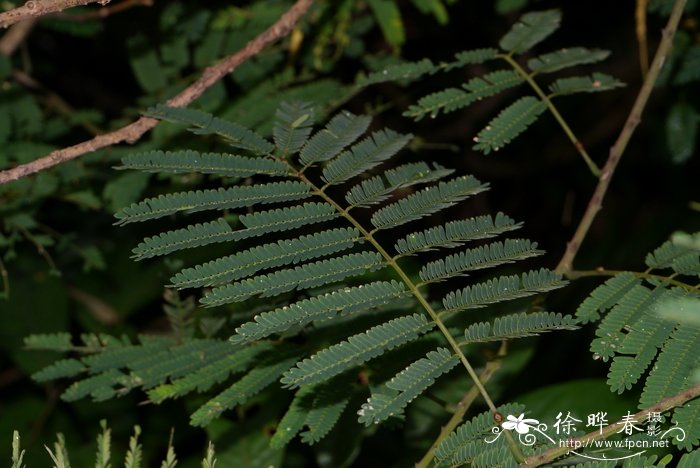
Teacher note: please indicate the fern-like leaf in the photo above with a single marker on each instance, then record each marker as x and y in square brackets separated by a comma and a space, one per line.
[292, 127]
[293, 420]
[329, 403]
[585, 84]
[565, 58]
[474, 90]
[401, 71]
[518, 326]
[426, 201]
[49, 342]
[462, 445]
[215, 371]
[504, 288]
[626, 312]
[473, 56]
[374, 190]
[605, 296]
[203, 123]
[638, 350]
[230, 165]
[531, 29]
[455, 233]
[347, 300]
[251, 384]
[356, 350]
[407, 386]
[486, 256]
[678, 358]
[341, 131]
[302, 277]
[672, 255]
[214, 199]
[275, 254]
[509, 123]
[366, 154]
[59, 370]
[688, 418]
[257, 224]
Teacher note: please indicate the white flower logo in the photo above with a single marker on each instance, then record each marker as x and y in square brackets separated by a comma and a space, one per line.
[520, 424]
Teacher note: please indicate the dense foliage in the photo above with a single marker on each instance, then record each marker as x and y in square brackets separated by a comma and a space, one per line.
[310, 265]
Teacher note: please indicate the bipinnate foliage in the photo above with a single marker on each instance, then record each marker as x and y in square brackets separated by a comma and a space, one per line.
[645, 344]
[308, 207]
[514, 119]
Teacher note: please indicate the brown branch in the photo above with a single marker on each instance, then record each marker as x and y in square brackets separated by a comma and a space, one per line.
[664, 405]
[37, 8]
[132, 132]
[104, 12]
[15, 36]
[596, 201]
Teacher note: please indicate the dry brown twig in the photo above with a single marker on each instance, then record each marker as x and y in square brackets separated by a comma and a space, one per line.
[37, 8]
[132, 132]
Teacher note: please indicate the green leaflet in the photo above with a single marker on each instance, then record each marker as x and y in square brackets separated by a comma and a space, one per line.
[474, 90]
[518, 326]
[531, 29]
[282, 252]
[565, 58]
[215, 199]
[306, 276]
[356, 350]
[251, 384]
[407, 385]
[205, 124]
[292, 127]
[223, 164]
[455, 233]
[366, 154]
[467, 441]
[215, 371]
[374, 190]
[605, 296]
[486, 256]
[508, 124]
[427, 201]
[585, 84]
[346, 300]
[342, 130]
[500, 289]
[467, 57]
[257, 224]
[401, 71]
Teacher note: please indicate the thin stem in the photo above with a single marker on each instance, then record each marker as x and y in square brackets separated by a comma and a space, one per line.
[417, 294]
[635, 116]
[664, 405]
[576, 274]
[595, 170]
[640, 18]
[135, 130]
[5, 281]
[462, 408]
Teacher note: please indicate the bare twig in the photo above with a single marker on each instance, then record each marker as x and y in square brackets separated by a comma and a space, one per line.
[596, 201]
[104, 12]
[640, 16]
[37, 8]
[664, 405]
[135, 130]
[15, 36]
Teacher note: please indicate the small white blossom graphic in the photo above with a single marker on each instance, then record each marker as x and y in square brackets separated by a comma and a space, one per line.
[520, 424]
